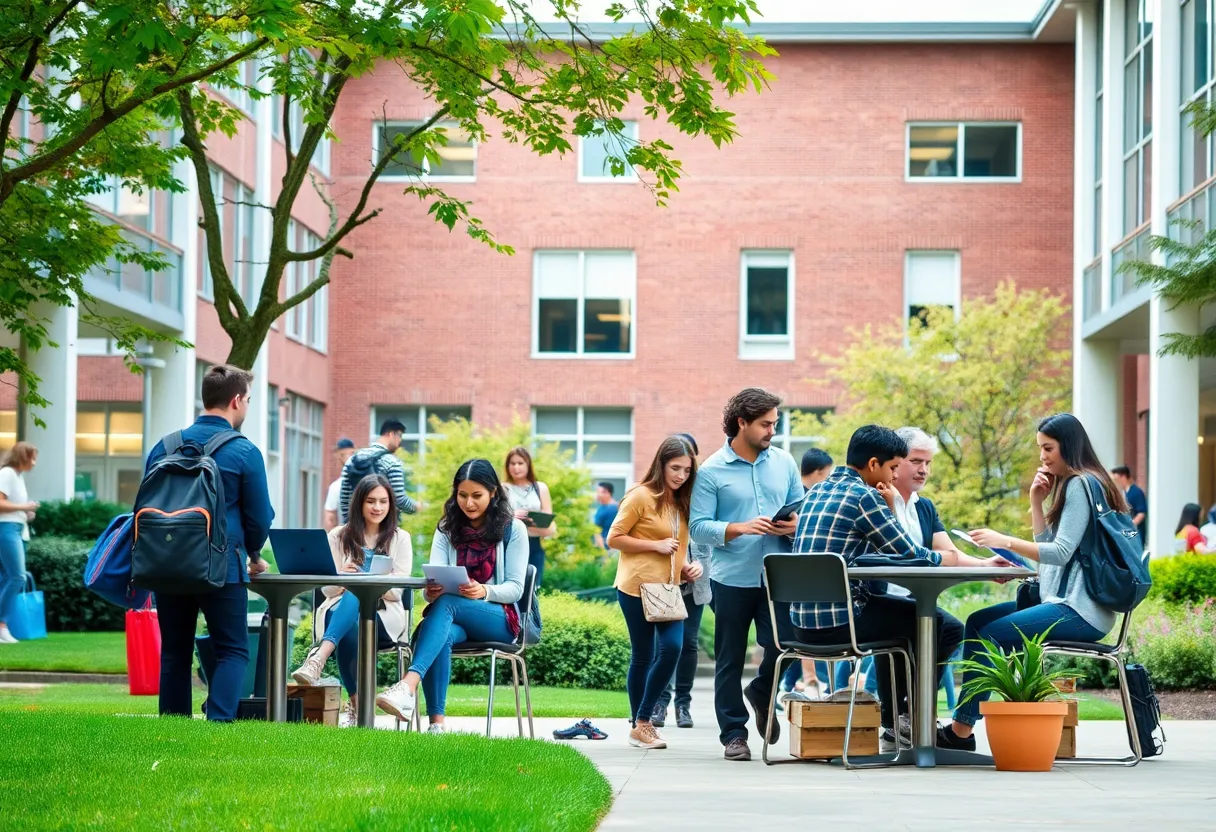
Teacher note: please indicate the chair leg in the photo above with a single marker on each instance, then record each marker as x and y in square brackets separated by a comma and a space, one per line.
[911, 704]
[490, 708]
[1129, 720]
[519, 716]
[523, 669]
[772, 706]
[400, 676]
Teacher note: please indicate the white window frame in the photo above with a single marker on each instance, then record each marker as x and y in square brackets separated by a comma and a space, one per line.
[298, 462]
[424, 423]
[631, 175]
[909, 254]
[766, 347]
[961, 154]
[580, 352]
[1136, 52]
[1206, 92]
[426, 175]
[582, 440]
[786, 438]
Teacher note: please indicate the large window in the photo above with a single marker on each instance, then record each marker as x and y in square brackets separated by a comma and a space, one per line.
[584, 302]
[8, 429]
[457, 159]
[419, 423]
[303, 436]
[273, 420]
[766, 305]
[596, 155]
[234, 204]
[792, 437]
[931, 280]
[1198, 83]
[1099, 120]
[148, 210]
[1137, 113]
[109, 451]
[969, 151]
[307, 322]
[599, 438]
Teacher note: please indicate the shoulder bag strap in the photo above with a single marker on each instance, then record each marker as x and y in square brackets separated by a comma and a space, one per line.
[1090, 533]
[219, 440]
[172, 442]
[675, 533]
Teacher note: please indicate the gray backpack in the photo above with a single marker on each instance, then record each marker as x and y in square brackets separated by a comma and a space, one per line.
[180, 525]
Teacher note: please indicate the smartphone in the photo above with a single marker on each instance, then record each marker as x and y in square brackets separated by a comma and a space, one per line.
[788, 510]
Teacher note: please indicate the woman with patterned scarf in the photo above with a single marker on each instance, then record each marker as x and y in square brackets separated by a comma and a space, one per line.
[471, 534]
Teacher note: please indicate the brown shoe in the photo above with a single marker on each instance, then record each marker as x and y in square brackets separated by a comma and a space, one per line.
[760, 706]
[737, 750]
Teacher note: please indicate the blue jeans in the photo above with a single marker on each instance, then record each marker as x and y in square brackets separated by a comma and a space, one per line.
[12, 564]
[452, 619]
[224, 611]
[342, 630]
[686, 667]
[649, 670]
[1001, 624]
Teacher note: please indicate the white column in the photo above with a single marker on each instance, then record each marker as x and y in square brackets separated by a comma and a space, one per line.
[54, 477]
[1097, 392]
[1112, 136]
[1173, 455]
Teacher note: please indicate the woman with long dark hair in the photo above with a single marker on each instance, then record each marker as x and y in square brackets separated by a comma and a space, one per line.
[651, 533]
[370, 530]
[1067, 463]
[478, 531]
[529, 494]
[1190, 539]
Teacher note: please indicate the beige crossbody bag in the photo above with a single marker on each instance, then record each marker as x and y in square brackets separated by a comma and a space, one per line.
[665, 602]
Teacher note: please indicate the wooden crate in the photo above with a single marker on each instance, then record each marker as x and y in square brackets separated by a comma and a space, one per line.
[1068, 743]
[1070, 719]
[817, 729]
[1067, 684]
[321, 702]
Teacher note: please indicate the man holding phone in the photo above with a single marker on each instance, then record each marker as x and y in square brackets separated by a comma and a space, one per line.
[738, 491]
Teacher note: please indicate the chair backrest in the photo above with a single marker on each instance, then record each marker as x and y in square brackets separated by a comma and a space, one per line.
[1123, 630]
[807, 579]
[525, 605]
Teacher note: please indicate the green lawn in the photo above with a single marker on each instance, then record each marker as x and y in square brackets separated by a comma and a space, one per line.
[1090, 707]
[101, 772]
[68, 652]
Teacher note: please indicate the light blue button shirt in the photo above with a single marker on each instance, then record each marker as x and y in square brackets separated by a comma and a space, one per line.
[729, 489]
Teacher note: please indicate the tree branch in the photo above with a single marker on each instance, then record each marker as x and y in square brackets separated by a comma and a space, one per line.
[28, 68]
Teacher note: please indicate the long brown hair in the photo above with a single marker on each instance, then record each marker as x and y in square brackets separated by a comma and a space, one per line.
[1079, 455]
[524, 454]
[351, 538]
[19, 456]
[656, 477]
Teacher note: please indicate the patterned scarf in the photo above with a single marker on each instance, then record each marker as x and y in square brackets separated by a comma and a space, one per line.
[479, 557]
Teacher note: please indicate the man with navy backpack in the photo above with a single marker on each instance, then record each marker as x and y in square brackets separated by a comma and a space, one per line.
[248, 515]
[380, 457]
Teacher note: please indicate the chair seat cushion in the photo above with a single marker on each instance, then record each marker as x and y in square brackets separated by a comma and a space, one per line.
[837, 649]
[1083, 646]
[483, 646]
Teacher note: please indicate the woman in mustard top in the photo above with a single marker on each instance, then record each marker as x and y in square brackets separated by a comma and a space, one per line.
[651, 533]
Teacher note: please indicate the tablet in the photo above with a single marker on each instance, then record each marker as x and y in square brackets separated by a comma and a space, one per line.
[381, 565]
[788, 510]
[540, 519]
[1012, 557]
[451, 578]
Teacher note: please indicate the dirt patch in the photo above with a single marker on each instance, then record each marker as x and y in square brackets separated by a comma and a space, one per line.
[1177, 704]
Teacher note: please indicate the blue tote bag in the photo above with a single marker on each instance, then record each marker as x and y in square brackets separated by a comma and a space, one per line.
[27, 613]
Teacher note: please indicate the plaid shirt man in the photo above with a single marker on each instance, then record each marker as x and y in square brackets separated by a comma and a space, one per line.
[844, 516]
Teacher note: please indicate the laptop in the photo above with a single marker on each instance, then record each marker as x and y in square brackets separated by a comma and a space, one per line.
[302, 552]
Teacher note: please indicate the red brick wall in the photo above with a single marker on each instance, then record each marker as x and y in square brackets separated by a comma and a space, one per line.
[423, 315]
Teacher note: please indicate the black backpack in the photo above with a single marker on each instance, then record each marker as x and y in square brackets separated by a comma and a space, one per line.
[359, 466]
[1146, 710]
[180, 522]
[1111, 556]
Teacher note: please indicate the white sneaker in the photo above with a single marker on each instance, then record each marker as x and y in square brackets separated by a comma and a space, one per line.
[397, 701]
[5, 636]
[349, 717]
[309, 673]
[887, 741]
[437, 728]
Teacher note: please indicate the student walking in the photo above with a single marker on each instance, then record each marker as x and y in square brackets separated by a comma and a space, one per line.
[16, 510]
[529, 494]
[380, 457]
[651, 533]
[369, 532]
[478, 531]
[248, 513]
[738, 490]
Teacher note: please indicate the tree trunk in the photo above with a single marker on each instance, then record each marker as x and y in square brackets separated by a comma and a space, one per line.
[245, 348]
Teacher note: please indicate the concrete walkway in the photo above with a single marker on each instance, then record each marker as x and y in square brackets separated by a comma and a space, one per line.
[690, 786]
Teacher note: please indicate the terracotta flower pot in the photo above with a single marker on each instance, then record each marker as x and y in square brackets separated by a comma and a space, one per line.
[1024, 736]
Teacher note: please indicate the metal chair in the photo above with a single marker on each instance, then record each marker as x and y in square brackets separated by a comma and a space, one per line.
[403, 648]
[824, 579]
[1116, 654]
[513, 652]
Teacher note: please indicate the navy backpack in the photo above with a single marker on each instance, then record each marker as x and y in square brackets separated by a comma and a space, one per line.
[108, 569]
[1111, 557]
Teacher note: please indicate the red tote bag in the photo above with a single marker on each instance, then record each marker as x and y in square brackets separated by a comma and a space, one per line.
[143, 651]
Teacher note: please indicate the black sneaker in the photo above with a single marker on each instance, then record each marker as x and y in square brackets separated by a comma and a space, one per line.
[683, 716]
[583, 728]
[737, 750]
[659, 718]
[760, 706]
[946, 738]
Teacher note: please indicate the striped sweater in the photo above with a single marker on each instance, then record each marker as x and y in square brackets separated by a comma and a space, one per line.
[389, 466]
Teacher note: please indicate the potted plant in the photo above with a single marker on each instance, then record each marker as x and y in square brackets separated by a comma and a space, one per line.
[1025, 724]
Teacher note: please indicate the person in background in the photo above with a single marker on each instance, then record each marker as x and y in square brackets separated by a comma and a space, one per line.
[478, 531]
[651, 533]
[1136, 501]
[225, 394]
[368, 533]
[343, 451]
[1188, 539]
[605, 513]
[738, 490]
[16, 510]
[380, 457]
[1066, 461]
[528, 494]
[697, 593]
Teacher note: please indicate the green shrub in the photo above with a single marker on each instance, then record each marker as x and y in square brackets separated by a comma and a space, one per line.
[1184, 579]
[80, 519]
[57, 564]
[590, 574]
[1177, 645]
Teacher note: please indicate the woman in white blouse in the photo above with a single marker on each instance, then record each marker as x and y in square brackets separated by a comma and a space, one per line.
[16, 510]
[528, 494]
